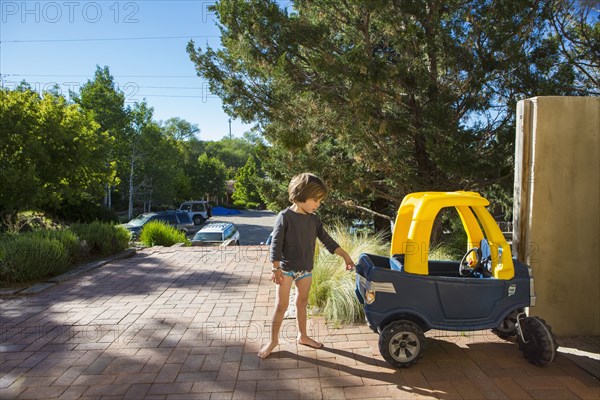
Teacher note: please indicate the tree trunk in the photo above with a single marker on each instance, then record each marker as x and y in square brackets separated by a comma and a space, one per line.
[131, 184]
[108, 196]
[150, 201]
[382, 225]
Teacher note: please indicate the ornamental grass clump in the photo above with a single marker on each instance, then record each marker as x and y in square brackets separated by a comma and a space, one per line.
[27, 258]
[332, 291]
[445, 252]
[102, 238]
[66, 237]
[156, 233]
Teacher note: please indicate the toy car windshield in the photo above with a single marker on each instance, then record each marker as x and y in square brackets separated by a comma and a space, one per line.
[414, 222]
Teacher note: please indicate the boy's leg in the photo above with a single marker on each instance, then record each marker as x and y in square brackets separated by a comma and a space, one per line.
[282, 300]
[303, 286]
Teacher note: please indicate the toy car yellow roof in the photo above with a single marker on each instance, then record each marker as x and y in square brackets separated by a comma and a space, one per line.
[412, 230]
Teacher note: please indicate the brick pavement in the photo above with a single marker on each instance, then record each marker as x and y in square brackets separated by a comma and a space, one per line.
[188, 322]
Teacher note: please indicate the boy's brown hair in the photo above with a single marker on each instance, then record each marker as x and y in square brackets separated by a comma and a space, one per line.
[307, 186]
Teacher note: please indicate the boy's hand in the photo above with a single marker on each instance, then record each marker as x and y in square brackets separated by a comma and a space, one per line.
[349, 264]
[277, 277]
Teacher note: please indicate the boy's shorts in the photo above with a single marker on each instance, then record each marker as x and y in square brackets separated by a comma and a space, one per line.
[297, 275]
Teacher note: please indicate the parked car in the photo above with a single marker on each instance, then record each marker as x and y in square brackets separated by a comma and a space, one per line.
[179, 220]
[198, 211]
[216, 233]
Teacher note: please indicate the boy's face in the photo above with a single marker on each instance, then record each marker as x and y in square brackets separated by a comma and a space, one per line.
[309, 206]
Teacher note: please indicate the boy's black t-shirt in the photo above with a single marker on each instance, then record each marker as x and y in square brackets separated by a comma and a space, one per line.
[294, 238]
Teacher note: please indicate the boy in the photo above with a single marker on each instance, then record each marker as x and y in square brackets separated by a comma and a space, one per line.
[292, 252]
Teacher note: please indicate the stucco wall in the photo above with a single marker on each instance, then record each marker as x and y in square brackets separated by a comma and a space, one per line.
[556, 215]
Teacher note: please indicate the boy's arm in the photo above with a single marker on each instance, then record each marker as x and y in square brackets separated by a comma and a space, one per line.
[276, 250]
[332, 246]
[347, 259]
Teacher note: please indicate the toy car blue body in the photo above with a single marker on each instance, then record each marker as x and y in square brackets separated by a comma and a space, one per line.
[441, 300]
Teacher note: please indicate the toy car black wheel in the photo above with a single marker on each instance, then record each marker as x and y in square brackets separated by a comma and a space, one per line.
[198, 219]
[536, 341]
[507, 330]
[402, 343]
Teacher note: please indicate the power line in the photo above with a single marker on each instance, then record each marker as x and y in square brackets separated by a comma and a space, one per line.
[172, 87]
[107, 39]
[90, 76]
[172, 95]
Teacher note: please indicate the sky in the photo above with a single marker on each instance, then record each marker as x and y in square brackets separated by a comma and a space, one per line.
[143, 43]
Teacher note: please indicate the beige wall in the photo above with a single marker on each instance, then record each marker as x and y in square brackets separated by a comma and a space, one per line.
[556, 212]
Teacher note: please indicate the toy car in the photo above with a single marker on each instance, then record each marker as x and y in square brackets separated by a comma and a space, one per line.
[406, 294]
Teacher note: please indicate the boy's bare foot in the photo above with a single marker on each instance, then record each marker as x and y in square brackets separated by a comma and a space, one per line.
[306, 341]
[267, 349]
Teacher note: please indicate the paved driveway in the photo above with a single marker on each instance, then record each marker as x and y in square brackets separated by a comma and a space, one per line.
[188, 322]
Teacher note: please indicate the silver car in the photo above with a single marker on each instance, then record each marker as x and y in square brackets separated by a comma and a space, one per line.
[217, 233]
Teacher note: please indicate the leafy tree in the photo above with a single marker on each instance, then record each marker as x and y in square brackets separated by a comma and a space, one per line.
[233, 152]
[51, 152]
[383, 98]
[180, 129]
[210, 177]
[189, 152]
[576, 37]
[163, 170]
[139, 137]
[245, 186]
[155, 160]
[101, 97]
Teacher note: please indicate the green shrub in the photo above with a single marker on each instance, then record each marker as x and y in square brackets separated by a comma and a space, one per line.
[332, 288]
[26, 221]
[66, 237]
[273, 207]
[157, 233]
[238, 205]
[28, 258]
[7, 237]
[102, 238]
[86, 211]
